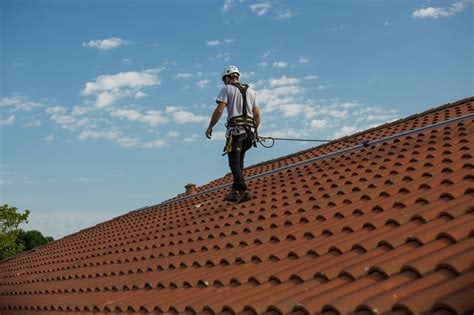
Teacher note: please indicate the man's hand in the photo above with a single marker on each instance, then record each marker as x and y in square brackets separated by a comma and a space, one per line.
[209, 133]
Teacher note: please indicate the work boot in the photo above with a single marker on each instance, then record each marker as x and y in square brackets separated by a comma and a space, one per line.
[245, 196]
[233, 196]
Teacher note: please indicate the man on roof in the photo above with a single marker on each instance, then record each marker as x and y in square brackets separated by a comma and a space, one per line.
[243, 119]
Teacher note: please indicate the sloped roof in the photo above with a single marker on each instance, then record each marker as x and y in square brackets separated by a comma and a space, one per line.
[342, 228]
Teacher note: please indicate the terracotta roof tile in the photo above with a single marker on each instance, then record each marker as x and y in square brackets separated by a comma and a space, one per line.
[341, 228]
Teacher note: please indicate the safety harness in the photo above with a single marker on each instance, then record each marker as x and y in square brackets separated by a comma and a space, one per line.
[244, 121]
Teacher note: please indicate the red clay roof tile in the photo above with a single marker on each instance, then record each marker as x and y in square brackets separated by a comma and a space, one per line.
[382, 228]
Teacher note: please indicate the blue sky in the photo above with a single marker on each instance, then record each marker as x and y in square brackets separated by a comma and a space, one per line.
[104, 104]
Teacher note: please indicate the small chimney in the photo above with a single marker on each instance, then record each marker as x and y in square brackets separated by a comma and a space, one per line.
[190, 189]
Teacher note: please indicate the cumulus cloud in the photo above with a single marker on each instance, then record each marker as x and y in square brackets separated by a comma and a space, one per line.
[128, 142]
[283, 102]
[218, 136]
[284, 80]
[345, 131]
[192, 138]
[150, 117]
[110, 88]
[260, 8]
[172, 134]
[106, 44]
[93, 134]
[303, 60]
[7, 121]
[183, 117]
[284, 14]
[311, 77]
[213, 43]
[154, 144]
[280, 64]
[34, 123]
[59, 115]
[228, 4]
[19, 103]
[49, 138]
[184, 75]
[217, 42]
[202, 83]
[431, 12]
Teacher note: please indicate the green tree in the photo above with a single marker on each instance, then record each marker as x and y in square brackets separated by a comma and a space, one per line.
[31, 239]
[10, 219]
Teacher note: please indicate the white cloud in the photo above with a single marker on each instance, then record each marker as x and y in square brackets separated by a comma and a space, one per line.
[247, 75]
[284, 80]
[311, 77]
[192, 138]
[172, 134]
[184, 117]
[8, 121]
[323, 87]
[110, 88]
[154, 144]
[49, 138]
[218, 136]
[106, 44]
[285, 14]
[202, 83]
[132, 79]
[182, 75]
[60, 116]
[291, 110]
[217, 42]
[93, 134]
[213, 43]
[260, 8]
[151, 117]
[280, 64]
[34, 124]
[303, 60]
[345, 131]
[127, 142]
[222, 56]
[262, 64]
[319, 123]
[431, 12]
[19, 103]
[140, 94]
[228, 4]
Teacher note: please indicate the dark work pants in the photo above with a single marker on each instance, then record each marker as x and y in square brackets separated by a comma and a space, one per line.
[240, 145]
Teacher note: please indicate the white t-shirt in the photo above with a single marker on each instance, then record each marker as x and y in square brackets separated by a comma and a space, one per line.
[231, 95]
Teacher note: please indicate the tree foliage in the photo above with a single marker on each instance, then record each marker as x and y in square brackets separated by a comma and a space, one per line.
[31, 239]
[10, 219]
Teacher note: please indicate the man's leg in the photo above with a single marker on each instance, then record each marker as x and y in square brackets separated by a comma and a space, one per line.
[247, 144]
[235, 162]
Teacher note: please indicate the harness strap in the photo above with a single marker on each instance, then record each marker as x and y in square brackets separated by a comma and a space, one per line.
[243, 90]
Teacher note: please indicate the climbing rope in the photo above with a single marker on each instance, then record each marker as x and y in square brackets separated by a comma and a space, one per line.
[262, 140]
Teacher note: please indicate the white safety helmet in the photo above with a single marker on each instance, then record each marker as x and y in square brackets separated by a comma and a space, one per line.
[230, 70]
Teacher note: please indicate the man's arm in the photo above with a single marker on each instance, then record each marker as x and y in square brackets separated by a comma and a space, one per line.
[215, 118]
[256, 116]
